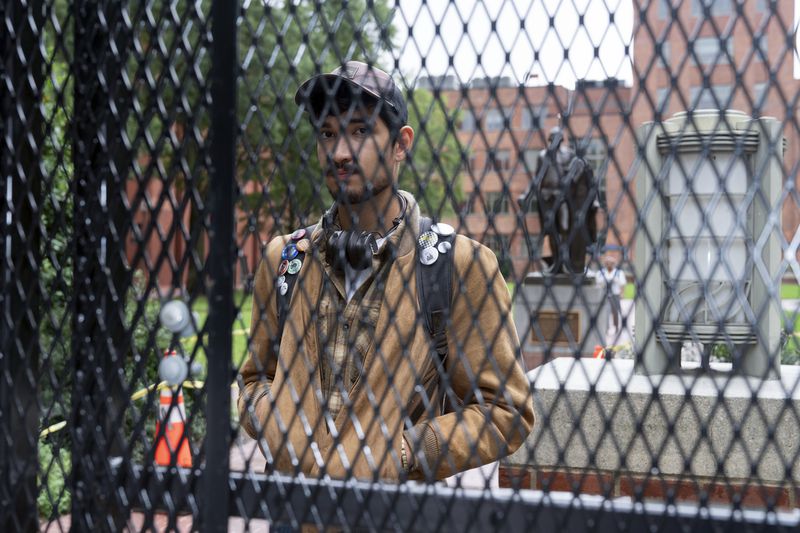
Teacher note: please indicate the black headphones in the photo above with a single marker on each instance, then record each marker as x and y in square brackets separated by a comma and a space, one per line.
[351, 247]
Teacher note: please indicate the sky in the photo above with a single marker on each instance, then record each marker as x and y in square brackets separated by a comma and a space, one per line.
[521, 45]
[511, 50]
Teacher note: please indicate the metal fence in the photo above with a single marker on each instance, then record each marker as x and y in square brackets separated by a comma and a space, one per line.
[610, 342]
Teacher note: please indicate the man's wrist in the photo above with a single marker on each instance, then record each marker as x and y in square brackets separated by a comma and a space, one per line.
[406, 457]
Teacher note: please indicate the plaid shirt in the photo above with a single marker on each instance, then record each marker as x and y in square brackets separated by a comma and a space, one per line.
[346, 329]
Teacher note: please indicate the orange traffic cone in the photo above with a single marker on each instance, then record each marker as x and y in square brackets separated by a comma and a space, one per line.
[174, 416]
[599, 352]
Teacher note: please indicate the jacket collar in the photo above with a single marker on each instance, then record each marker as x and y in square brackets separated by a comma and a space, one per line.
[404, 237]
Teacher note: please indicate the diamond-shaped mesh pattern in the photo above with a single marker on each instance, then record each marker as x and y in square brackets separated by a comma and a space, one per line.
[375, 265]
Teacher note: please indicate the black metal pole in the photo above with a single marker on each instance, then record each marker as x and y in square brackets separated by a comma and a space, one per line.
[221, 262]
[100, 343]
[21, 80]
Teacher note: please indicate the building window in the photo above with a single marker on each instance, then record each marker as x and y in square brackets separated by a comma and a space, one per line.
[759, 92]
[664, 58]
[709, 50]
[495, 120]
[664, 8]
[595, 152]
[496, 202]
[531, 159]
[469, 163]
[760, 47]
[715, 97]
[718, 7]
[498, 160]
[662, 99]
[499, 244]
[468, 122]
[533, 117]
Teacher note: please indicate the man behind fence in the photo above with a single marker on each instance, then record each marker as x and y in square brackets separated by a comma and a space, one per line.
[346, 379]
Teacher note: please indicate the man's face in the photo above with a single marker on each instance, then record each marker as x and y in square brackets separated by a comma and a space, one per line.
[356, 154]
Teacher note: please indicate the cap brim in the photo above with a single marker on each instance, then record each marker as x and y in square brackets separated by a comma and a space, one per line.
[321, 84]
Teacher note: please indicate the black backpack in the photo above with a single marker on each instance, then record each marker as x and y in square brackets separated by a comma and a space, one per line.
[434, 291]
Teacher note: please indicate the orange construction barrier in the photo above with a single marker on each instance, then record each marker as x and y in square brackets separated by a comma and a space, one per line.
[173, 437]
[599, 352]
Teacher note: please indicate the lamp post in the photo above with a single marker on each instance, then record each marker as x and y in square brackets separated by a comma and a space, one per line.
[707, 246]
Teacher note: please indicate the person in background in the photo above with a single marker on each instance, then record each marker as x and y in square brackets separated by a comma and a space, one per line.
[612, 279]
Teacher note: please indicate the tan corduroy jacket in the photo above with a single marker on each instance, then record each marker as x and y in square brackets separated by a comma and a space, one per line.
[280, 403]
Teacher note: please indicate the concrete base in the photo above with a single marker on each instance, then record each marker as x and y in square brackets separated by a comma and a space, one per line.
[559, 315]
[598, 416]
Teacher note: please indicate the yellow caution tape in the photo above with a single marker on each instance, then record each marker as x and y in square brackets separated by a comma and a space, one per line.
[138, 395]
[52, 429]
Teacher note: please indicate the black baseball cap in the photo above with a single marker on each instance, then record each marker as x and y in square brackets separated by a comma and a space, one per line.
[358, 79]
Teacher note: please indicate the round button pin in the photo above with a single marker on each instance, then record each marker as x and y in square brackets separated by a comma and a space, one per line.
[444, 247]
[428, 256]
[283, 267]
[284, 288]
[299, 234]
[428, 239]
[289, 252]
[280, 280]
[445, 230]
[294, 266]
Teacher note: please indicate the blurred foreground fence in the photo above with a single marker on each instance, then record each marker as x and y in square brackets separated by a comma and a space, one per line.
[633, 165]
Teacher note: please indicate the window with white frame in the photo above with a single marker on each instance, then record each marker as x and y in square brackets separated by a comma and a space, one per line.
[760, 47]
[714, 97]
[595, 152]
[664, 58]
[496, 202]
[533, 117]
[495, 120]
[718, 7]
[498, 160]
[531, 157]
[759, 93]
[468, 122]
[709, 50]
[662, 95]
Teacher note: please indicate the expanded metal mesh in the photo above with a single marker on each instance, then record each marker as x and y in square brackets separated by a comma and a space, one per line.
[608, 340]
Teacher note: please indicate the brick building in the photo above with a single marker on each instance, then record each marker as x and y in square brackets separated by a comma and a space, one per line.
[687, 61]
[503, 128]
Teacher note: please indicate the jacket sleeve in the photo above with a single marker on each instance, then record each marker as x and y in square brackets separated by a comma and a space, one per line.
[258, 370]
[484, 374]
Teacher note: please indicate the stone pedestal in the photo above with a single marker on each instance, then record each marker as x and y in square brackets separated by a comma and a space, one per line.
[559, 315]
[603, 429]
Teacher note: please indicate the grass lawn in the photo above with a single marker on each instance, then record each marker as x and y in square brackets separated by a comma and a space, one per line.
[241, 327]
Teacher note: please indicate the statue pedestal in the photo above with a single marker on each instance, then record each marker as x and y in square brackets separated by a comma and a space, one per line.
[559, 315]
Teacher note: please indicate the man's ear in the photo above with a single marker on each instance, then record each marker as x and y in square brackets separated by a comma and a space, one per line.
[405, 140]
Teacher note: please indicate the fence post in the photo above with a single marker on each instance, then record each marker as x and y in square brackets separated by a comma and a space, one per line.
[221, 260]
[21, 79]
[100, 341]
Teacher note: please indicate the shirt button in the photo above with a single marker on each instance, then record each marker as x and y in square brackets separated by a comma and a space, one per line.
[346, 326]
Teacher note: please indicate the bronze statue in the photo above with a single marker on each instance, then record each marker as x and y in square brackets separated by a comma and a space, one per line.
[567, 200]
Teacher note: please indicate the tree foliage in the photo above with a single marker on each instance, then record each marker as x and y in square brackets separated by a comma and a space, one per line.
[281, 45]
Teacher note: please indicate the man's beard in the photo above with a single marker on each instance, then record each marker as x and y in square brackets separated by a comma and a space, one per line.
[345, 195]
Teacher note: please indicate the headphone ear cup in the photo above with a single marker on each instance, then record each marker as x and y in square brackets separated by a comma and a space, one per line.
[335, 251]
[359, 254]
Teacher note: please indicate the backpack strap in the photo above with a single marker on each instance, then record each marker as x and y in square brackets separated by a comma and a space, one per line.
[284, 296]
[435, 285]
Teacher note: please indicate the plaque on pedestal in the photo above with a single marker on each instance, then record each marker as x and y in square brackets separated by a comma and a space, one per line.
[559, 315]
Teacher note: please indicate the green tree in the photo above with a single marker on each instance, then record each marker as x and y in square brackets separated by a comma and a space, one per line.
[432, 174]
[281, 45]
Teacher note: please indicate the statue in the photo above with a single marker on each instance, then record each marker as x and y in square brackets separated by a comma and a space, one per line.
[567, 201]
